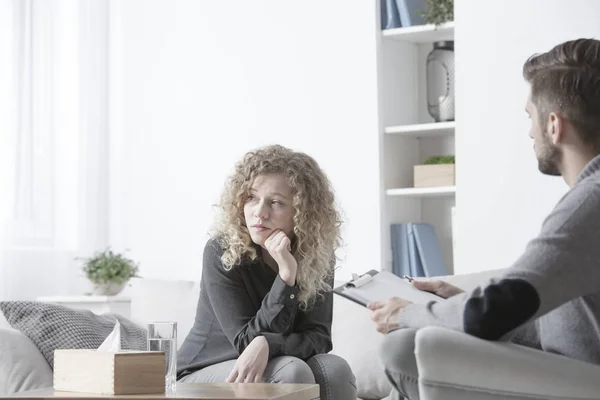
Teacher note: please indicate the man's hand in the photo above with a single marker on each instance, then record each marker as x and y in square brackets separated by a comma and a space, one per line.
[279, 247]
[385, 313]
[440, 288]
[251, 364]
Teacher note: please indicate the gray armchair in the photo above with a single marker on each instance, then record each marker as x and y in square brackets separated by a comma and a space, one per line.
[457, 366]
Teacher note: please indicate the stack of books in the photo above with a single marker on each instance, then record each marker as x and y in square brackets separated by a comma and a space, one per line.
[416, 251]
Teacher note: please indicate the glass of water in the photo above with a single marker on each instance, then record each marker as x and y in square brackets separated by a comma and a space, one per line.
[162, 336]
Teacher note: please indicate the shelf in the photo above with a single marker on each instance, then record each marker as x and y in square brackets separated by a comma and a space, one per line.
[423, 130]
[421, 33]
[84, 299]
[423, 192]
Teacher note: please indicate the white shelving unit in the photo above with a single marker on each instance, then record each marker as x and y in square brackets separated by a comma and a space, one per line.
[421, 33]
[423, 192]
[408, 135]
[433, 129]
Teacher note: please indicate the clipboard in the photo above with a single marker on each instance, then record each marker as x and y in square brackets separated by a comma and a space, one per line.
[380, 286]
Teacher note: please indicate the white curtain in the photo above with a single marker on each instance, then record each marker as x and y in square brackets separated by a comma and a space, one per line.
[53, 143]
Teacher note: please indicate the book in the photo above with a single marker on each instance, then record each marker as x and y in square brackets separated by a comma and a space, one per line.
[390, 17]
[109, 373]
[416, 250]
[416, 266]
[410, 12]
[380, 286]
[400, 250]
[430, 253]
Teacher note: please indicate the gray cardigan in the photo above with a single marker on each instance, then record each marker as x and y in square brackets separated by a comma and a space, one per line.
[550, 297]
[247, 301]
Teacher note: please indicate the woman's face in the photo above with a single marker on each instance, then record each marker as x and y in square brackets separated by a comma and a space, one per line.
[269, 207]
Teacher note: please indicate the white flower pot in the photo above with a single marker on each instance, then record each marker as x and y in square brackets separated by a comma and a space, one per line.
[108, 289]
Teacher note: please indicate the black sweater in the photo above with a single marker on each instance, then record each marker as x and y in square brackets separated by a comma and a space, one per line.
[247, 301]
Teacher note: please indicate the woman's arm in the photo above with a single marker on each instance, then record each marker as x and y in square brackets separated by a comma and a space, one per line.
[312, 333]
[233, 309]
[313, 338]
[233, 306]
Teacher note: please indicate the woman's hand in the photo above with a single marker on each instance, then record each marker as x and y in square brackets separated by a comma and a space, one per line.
[440, 288]
[251, 364]
[279, 247]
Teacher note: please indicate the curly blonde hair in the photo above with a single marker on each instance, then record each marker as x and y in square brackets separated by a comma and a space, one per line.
[316, 218]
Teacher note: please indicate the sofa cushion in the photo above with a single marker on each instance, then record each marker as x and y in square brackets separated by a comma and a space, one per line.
[356, 340]
[22, 366]
[3, 322]
[51, 327]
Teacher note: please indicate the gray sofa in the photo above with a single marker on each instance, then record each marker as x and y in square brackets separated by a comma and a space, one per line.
[452, 365]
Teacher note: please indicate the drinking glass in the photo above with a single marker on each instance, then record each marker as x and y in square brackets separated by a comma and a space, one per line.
[162, 336]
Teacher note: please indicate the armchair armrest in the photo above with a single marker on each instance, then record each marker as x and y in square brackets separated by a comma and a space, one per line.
[454, 365]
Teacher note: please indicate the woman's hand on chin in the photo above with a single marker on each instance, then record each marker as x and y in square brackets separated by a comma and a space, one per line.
[279, 247]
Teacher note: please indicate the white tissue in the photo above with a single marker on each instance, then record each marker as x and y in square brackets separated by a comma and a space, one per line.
[112, 342]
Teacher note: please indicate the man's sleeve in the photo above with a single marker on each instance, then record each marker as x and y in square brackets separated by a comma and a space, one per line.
[561, 264]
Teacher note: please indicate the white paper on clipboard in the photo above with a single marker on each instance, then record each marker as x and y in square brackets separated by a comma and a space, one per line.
[380, 286]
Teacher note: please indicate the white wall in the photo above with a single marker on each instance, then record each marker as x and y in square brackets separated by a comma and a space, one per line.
[502, 198]
[195, 84]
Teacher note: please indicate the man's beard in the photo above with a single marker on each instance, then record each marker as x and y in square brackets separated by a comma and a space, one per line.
[549, 159]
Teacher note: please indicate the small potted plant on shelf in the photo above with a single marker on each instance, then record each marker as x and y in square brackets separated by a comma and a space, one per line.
[438, 12]
[109, 272]
[435, 171]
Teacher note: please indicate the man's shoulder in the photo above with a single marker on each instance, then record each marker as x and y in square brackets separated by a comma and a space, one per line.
[588, 190]
[580, 206]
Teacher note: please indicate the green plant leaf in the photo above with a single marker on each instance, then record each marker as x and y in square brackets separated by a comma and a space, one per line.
[440, 160]
[438, 12]
[109, 267]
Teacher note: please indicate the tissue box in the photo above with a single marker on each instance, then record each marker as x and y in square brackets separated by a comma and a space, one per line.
[103, 372]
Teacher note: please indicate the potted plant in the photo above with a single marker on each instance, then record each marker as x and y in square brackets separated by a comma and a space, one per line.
[109, 272]
[438, 12]
[435, 171]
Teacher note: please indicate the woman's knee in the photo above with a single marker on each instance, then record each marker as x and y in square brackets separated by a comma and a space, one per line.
[334, 376]
[331, 367]
[397, 351]
[292, 370]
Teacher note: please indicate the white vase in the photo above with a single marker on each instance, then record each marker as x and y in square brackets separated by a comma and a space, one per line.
[108, 289]
[440, 81]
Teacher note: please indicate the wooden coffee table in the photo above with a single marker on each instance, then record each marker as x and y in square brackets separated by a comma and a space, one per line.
[196, 391]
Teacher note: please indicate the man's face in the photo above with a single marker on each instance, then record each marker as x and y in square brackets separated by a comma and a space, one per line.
[549, 155]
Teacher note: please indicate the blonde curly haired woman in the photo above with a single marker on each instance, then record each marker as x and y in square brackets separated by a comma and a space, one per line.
[265, 307]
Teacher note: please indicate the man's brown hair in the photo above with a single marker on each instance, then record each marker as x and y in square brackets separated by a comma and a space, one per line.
[566, 80]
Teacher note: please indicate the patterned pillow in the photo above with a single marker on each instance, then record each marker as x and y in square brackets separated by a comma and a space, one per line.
[51, 327]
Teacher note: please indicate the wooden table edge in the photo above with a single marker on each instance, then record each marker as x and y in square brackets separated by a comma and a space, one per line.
[303, 392]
